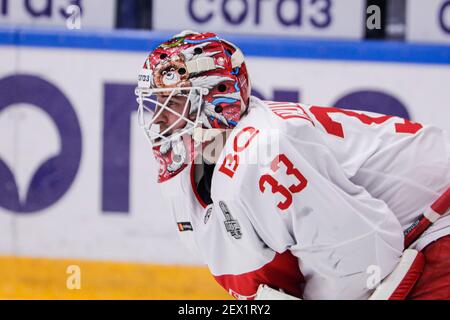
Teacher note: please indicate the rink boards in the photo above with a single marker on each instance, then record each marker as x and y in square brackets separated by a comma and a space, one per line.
[77, 175]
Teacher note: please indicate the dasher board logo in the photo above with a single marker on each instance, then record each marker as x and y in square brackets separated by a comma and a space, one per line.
[231, 225]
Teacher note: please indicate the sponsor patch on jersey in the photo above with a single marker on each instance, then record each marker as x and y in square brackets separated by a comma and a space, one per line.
[184, 226]
[231, 225]
[207, 215]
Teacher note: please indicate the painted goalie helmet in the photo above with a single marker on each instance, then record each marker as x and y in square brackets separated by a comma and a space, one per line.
[209, 76]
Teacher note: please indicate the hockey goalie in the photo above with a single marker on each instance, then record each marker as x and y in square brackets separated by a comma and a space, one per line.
[285, 200]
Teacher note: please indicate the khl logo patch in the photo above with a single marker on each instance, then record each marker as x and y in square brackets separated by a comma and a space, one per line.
[231, 224]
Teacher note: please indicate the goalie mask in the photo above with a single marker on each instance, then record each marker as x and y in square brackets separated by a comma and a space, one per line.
[197, 83]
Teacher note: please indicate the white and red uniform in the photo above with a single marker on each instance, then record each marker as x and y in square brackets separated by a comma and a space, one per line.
[313, 215]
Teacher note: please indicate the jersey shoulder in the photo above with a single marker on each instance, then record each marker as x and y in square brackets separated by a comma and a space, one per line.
[284, 116]
[266, 131]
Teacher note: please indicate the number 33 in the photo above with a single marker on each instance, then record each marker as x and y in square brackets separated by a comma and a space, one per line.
[276, 187]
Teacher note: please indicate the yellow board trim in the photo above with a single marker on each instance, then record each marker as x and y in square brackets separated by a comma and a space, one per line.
[42, 278]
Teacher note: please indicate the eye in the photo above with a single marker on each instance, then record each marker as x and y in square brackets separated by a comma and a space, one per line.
[172, 69]
[164, 72]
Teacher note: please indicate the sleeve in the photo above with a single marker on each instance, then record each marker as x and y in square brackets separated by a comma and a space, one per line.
[298, 198]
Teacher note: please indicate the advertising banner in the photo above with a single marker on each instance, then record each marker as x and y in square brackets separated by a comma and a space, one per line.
[428, 21]
[316, 18]
[70, 14]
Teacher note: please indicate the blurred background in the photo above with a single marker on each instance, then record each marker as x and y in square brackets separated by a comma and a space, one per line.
[81, 216]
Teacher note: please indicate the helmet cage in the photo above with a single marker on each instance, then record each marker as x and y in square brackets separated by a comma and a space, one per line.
[147, 115]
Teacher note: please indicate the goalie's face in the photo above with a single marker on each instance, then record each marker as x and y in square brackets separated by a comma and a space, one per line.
[168, 118]
[166, 114]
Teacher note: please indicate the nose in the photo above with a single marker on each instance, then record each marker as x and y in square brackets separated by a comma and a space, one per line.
[160, 119]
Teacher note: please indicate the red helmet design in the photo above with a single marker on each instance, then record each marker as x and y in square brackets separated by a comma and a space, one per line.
[211, 73]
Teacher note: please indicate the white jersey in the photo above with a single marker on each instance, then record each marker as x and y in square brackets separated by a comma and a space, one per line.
[312, 200]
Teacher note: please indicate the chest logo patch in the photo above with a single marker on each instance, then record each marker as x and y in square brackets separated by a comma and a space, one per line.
[231, 225]
[207, 215]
